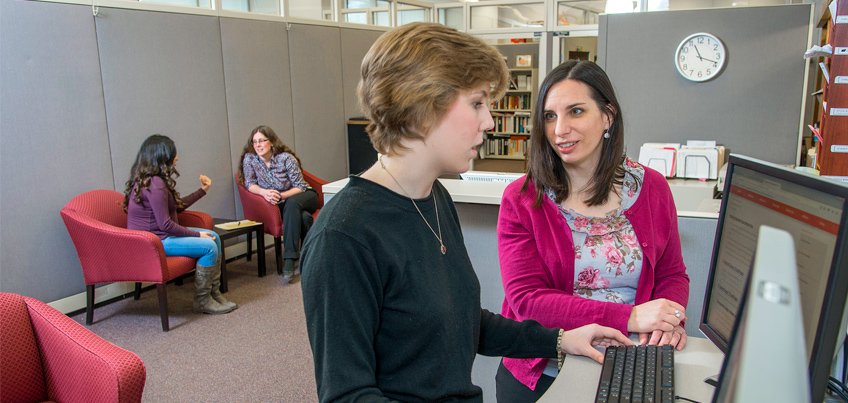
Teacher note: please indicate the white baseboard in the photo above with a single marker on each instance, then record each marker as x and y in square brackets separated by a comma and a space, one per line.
[77, 301]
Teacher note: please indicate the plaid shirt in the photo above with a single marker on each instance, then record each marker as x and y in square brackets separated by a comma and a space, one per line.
[282, 175]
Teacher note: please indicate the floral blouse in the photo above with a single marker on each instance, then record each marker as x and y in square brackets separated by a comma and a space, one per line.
[608, 259]
[282, 175]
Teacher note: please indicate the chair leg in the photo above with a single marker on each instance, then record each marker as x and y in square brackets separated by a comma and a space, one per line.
[137, 294]
[163, 306]
[278, 251]
[89, 304]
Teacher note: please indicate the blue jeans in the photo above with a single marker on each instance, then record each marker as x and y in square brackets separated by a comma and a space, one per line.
[204, 249]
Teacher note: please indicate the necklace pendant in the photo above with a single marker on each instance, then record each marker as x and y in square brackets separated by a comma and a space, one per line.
[444, 250]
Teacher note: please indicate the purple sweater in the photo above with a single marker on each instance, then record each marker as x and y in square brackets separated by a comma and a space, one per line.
[157, 212]
[536, 254]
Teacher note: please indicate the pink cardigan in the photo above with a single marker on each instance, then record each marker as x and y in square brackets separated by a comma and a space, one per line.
[536, 254]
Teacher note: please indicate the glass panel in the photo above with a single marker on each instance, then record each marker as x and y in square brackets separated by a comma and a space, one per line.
[580, 12]
[381, 18]
[190, 3]
[623, 6]
[408, 13]
[364, 3]
[358, 18]
[508, 16]
[452, 17]
[695, 4]
[314, 9]
[580, 48]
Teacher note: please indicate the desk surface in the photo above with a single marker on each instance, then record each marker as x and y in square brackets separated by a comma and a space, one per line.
[578, 380]
[463, 191]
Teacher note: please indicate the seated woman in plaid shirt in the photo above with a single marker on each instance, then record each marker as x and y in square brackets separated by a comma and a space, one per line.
[272, 170]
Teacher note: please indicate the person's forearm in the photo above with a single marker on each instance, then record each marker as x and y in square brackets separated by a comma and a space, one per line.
[255, 189]
[289, 193]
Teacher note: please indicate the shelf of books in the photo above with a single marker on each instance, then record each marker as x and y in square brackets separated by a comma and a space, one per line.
[521, 92]
[510, 147]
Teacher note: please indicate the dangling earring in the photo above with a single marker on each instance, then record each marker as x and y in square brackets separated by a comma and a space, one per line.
[606, 134]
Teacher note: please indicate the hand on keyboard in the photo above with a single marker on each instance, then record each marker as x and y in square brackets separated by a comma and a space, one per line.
[676, 338]
[659, 314]
[582, 341]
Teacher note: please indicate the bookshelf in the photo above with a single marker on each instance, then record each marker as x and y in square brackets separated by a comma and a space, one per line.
[832, 156]
[511, 115]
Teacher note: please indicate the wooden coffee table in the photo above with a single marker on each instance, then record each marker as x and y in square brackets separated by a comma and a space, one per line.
[249, 230]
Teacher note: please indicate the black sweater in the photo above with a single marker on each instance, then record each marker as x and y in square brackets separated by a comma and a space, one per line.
[391, 318]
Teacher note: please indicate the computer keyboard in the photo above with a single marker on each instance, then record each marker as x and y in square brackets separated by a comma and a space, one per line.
[637, 374]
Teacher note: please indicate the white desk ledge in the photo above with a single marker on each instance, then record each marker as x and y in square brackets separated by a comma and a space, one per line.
[578, 380]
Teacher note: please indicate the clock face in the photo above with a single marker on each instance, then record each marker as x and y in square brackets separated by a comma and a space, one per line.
[700, 57]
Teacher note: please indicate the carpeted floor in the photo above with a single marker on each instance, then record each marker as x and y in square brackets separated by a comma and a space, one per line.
[257, 353]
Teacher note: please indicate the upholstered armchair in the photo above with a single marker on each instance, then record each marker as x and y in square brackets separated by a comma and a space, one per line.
[46, 356]
[255, 208]
[110, 253]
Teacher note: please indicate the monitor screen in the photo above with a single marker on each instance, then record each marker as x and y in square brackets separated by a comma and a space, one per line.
[813, 210]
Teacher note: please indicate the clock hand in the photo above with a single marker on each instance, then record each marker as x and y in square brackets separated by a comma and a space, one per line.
[699, 52]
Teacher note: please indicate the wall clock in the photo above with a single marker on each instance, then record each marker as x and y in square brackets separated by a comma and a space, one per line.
[700, 57]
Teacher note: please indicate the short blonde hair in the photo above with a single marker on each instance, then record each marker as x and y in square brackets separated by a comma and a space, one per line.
[413, 73]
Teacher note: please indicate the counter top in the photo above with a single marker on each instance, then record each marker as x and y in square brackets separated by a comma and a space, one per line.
[692, 197]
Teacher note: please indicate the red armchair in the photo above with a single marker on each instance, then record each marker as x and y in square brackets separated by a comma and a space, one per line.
[110, 253]
[46, 356]
[255, 208]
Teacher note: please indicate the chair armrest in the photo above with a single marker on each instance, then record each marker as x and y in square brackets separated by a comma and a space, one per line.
[195, 219]
[111, 254]
[79, 365]
[255, 208]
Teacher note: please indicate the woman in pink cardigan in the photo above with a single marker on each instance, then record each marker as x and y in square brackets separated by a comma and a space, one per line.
[588, 235]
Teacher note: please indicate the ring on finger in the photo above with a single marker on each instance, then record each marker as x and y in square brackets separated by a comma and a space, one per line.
[677, 313]
[678, 332]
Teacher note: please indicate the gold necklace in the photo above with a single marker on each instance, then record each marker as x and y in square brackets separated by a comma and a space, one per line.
[439, 237]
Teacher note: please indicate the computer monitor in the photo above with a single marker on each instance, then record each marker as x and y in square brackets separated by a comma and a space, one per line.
[813, 210]
[766, 359]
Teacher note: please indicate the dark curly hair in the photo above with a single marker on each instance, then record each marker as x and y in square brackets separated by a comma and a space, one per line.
[155, 158]
[278, 148]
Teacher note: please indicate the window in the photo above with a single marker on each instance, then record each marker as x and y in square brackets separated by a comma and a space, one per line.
[314, 9]
[453, 17]
[508, 16]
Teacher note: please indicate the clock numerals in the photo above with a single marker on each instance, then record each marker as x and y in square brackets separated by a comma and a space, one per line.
[700, 57]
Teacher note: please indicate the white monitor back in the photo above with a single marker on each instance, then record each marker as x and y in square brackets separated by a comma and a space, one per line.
[767, 360]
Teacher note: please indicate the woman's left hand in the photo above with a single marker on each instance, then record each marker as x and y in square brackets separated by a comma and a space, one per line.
[676, 337]
[205, 183]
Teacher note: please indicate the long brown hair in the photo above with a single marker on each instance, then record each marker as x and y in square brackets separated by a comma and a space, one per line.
[544, 166]
[155, 158]
[278, 148]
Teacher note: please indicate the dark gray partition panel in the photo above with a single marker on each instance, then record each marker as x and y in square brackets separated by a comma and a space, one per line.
[355, 44]
[317, 100]
[163, 73]
[258, 83]
[697, 236]
[753, 107]
[53, 142]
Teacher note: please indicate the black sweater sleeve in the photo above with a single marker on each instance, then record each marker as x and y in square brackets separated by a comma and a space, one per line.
[500, 336]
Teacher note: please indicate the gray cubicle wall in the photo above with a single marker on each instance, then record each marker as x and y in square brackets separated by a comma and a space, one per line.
[80, 93]
[317, 85]
[162, 73]
[53, 141]
[256, 76]
[355, 44]
[753, 107]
